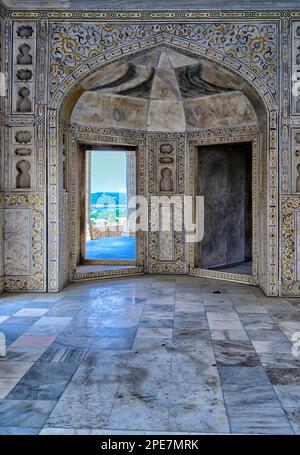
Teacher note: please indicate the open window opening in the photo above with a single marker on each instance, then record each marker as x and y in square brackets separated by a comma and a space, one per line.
[107, 233]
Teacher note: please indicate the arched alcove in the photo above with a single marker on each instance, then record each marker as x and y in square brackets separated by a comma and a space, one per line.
[166, 85]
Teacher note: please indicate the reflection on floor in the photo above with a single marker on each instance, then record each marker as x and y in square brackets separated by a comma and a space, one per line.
[110, 248]
[243, 268]
[149, 354]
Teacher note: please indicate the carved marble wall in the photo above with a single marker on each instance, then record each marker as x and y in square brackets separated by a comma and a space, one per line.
[17, 229]
[2, 48]
[48, 58]
[25, 156]
[166, 181]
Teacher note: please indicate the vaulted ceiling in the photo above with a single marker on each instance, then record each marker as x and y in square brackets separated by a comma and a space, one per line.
[163, 90]
[163, 74]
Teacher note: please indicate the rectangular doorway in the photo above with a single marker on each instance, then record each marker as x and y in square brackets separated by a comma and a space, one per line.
[225, 181]
[107, 235]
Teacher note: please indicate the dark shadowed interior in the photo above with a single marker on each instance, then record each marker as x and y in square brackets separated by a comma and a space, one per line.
[224, 179]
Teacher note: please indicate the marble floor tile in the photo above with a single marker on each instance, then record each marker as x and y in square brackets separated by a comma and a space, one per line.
[6, 385]
[220, 316]
[49, 325]
[241, 297]
[157, 323]
[66, 432]
[229, 335]
[195, 331]
[279, 360]
[31, 312]
[110, 356]
[65, 354]
[113, 343]
[288, 394]
[77, 413]
[150, 350]
[248, 394]
[284, 376]
[206, 392]
[240, 359]
[22, 354]
[293, 414]
[191, 417]
[62, 312]
[31, 389]
[144, 391]
[92, 370]
[75, 341]
[24, 413]
[211, 299]
[156, 305]
[217, 307]
[13, 331]
[33, 341]
[19, 431]
[233, 346]
[91, 389]
[184, 350]
[136, 416]
[117, 332]
[290, 329]
[194, 355]
[243, 376]
[11, 369]
[148, 332]
[194, 373]
[192, 297]
[27, 322]
[259, 320]
[156, 315]
[264, 334]
[9, 309]
[279, 347]
[242, 308]
[149, 355]
[254, 419]
[225, 324]
[290, 316]
[181, 315]
[42, 371]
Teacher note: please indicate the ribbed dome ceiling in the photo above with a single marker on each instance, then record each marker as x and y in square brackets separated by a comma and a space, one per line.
[163, 90]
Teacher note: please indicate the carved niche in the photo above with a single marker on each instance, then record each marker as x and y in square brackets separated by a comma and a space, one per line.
[23, 159]
[23, 68]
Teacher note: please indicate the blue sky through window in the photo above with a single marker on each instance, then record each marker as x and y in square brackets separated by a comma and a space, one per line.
[108, 172]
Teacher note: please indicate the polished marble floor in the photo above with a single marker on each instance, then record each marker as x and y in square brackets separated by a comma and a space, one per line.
[153, 354]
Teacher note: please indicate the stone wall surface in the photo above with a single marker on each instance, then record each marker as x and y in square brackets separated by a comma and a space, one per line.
[181, 79]
[2, 48]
